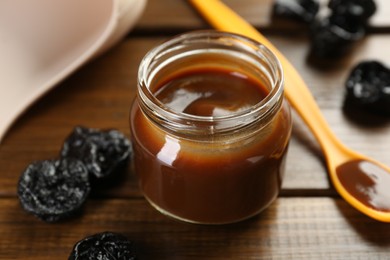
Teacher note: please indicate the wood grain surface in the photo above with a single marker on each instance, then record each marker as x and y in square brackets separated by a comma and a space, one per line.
[307, 221]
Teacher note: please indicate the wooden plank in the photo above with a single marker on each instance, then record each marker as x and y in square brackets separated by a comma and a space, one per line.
[178, 15]
[308, 220]
[100, 94]
[292, 228]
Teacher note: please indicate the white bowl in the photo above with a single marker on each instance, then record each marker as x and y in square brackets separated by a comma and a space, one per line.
[43, 41]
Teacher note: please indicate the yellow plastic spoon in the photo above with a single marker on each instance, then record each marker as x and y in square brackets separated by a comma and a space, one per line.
[361, 181]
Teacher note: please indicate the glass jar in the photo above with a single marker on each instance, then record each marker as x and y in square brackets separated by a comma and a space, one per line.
[210, 163]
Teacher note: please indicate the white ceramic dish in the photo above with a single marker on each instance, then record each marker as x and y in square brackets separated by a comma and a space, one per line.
[43, 41]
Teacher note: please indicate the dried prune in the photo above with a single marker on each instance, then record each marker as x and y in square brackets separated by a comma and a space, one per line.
[299, 10]
[332, 36]
[368, 87]
[360, 9]
[54, 189]
[104, 153]
[105, 246]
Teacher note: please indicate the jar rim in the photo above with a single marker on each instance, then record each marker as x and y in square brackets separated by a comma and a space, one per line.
[160, 109]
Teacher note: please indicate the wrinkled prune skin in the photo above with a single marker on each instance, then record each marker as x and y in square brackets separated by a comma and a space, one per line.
[368, 87]
[359, 9]
[54, 189]
[331, 37]
[104, 246]
[104, 153]
[299, 10]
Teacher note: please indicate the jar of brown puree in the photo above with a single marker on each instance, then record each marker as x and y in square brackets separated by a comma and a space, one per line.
[210, 127]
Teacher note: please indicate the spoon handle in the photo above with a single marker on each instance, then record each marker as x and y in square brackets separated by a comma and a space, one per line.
[223, 18]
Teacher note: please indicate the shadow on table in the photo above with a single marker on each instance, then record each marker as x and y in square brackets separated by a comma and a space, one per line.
[178, 240]
[363, 118]
[370, 230]
[302, 133]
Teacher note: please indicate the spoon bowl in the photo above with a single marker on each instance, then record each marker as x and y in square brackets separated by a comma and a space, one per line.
[361, 181]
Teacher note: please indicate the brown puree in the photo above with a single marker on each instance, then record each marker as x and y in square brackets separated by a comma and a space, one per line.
[206, 180]
[367, 182]
[210, 92]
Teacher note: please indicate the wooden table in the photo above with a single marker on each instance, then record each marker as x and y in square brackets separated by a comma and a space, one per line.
[308, 220]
